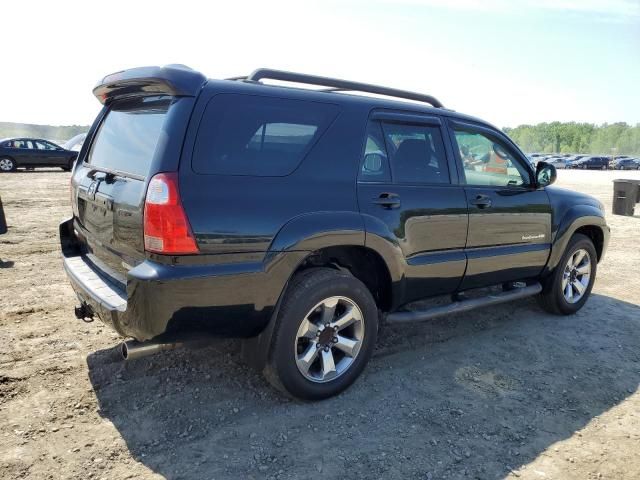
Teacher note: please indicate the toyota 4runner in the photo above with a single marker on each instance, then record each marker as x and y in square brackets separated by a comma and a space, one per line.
[301, 218]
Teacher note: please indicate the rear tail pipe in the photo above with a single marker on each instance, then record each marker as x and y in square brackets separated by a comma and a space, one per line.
[132, 349]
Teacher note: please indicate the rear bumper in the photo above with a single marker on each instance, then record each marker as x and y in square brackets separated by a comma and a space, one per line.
[227, 299]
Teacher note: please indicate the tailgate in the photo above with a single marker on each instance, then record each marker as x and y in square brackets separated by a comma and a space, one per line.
[109, 185]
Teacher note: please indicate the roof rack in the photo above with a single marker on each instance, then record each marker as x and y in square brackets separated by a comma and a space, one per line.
[337, 85]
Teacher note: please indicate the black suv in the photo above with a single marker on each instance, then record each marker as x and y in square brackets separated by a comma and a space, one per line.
[33, 152]
[299, 219]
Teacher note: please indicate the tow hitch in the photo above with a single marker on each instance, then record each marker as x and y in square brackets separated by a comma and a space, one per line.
[84, 312]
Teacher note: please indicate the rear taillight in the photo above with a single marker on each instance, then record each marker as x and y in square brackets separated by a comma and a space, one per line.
[166, 227]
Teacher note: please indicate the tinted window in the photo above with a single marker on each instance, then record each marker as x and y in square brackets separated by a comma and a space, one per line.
[41, 145]
[375, 163]
[127, 138]
[489, 161]
[417, 153]
[253, 135]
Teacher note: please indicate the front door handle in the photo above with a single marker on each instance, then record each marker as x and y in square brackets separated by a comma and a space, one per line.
[387, 200]
[481, 201]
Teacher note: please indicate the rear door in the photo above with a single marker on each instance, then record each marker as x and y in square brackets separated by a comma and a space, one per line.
[25, 152]
[110, 183]
[509, 219]
[408, 188]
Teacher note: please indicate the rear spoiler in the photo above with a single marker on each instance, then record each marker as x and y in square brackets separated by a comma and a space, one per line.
[177, 80]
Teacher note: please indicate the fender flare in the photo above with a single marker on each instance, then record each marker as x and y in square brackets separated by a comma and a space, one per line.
[295, 241]
[576, 217]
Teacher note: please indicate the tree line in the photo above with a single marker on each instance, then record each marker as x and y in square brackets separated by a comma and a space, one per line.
[48, 132]
[557, 137]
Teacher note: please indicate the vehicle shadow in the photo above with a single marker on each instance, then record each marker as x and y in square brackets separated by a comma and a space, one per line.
[470, 396]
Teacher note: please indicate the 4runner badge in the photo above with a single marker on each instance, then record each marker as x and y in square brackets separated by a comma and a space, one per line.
[533, 237]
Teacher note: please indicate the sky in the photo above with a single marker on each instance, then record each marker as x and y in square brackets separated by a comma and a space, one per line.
[509, 62]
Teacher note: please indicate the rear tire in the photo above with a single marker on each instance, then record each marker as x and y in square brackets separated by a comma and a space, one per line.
[325, 334]
[7, 165]
[569, 286]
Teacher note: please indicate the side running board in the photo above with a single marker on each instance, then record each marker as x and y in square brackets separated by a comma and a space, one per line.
[465, 305]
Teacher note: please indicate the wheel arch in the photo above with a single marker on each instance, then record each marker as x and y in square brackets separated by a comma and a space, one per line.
[335, 240]
[15, 162]
[585, 219]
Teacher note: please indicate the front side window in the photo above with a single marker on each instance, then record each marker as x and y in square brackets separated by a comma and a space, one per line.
[417, 153]
[488, 161]
[254, 135]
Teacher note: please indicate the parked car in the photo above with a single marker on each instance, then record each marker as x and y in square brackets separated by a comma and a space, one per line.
[558, 162]
[626, 164]
[592, 163]
[33, 152]
[300, 219]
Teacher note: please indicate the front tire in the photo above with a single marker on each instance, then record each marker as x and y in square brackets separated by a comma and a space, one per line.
[325, 334]
[7, 165]
[568, 288]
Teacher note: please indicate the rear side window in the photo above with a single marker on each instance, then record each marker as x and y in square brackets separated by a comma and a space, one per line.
[417, 153]
[127, 138]
[253, 135]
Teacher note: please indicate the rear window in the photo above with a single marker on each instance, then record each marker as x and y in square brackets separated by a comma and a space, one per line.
[127, 138]
[253, 135]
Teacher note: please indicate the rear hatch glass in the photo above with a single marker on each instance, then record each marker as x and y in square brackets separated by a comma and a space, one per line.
[112, 180]
[127, 139]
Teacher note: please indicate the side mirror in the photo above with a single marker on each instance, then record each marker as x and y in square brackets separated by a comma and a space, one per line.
[546, 174]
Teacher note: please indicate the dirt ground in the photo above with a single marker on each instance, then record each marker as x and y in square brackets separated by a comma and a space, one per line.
[503, 392]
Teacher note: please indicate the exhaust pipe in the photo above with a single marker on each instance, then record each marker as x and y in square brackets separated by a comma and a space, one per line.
[132, 349]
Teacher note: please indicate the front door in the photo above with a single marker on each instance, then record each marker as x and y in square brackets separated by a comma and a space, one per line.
[407, 189]
[509, 219]
[48, 156]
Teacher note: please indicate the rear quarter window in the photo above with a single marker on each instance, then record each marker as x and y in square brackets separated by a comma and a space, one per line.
[259, 136]
[127, 138]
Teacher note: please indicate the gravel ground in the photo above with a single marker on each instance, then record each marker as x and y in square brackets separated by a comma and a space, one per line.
[502, 392]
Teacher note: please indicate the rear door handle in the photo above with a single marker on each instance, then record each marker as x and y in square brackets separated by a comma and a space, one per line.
[387, 200]
[481, 201]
